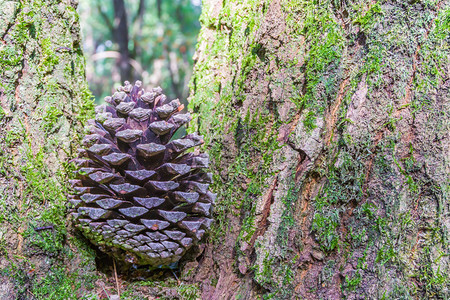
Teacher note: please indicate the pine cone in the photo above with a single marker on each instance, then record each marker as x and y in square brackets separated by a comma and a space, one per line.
[138, 195]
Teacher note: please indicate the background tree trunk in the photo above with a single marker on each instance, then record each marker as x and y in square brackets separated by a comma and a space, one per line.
[44, 101]
[327, 125]
[121, 35]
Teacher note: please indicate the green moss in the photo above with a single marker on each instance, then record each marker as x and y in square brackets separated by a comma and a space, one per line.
[84, 109]
[374, 63]
[265, 275]
[245, 22]
[434, 281]
[323, 65]
[50, 118]
[18, 276]
[287, 217]
[432, 61]
[44, 190]
[188, 291]
[310, 121]
[369, 17]
[325, 224]
[277, 276]
[49, 59]
[252, 139]
[55, 285]
[344, 185]
[353, 282]
[159, 289]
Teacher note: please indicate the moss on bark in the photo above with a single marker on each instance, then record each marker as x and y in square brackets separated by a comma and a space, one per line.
[44, 101]
[327, 122]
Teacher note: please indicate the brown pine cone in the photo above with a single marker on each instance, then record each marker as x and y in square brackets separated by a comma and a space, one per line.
[138, 195]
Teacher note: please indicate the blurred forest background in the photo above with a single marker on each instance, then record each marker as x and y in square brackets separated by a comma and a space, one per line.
[148, 40]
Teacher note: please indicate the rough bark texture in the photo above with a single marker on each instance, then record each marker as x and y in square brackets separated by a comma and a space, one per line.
[44, 101]
[327, 124]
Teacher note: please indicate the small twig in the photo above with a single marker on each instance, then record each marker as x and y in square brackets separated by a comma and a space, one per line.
[115, 274]
[60, 49]
[178, 280]
[44, 228]
[31, 293]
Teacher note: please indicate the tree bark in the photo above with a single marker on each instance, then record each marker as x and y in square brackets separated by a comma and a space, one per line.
[327, 126]
[44, 102]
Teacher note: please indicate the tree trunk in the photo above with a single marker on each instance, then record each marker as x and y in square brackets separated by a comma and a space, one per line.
[121, 35]
[44, 101]
[327, 125]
